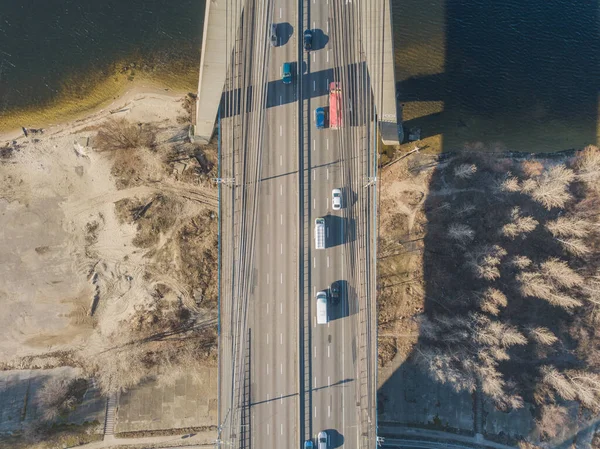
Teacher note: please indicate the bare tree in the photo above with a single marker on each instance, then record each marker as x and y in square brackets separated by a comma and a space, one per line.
[122, 135]
[491, 300]
[542, 335]
[587, 164]
[461, 233]
[465, 171]
[519, 262]
[519, 224]
[56, 397]
[509, 184]
[568, 226]
[483, 261]
[550, 189]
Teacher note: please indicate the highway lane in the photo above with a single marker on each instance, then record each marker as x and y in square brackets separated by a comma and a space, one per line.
[273, 320]
[334, 161]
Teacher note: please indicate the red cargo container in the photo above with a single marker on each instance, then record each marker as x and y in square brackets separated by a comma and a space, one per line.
[335, 105]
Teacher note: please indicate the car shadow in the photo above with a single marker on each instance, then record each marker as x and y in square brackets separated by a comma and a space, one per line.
[285, 30]
[319, 39]
[335, 439]
[346, 305]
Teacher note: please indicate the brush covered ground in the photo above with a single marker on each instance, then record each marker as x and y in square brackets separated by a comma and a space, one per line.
[489, 280]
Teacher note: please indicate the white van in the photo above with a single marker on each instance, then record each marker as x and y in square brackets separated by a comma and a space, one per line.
[322, 317]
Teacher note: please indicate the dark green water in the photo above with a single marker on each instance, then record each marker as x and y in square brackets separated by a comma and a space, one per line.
[49, 47]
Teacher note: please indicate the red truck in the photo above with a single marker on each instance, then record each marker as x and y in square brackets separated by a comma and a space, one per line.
[335, 105]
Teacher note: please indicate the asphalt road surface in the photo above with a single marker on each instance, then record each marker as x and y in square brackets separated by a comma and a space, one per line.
[292, 377]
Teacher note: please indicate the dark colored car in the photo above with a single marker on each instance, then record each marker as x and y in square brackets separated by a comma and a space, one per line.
[334, 292]
[307, 40]
[320, 118]
[273, 35]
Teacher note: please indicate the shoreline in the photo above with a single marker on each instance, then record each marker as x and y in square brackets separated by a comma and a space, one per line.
[98, 113]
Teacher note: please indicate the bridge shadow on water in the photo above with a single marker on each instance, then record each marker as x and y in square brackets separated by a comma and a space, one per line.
[517, 75]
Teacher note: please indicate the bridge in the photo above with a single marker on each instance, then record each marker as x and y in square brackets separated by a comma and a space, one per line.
[284, 379]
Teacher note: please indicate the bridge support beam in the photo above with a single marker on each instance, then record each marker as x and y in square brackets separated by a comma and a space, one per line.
[379, 47]
[221, 26]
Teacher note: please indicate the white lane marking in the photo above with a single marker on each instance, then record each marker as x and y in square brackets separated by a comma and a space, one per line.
[267, 278]
[281, 338]
[314, 83]
[281, 368]
[328, 352]
[268, 397]
[314, 56]
[314, 25]
[327, 201]
[314, 175]
[327, 173]
[267, 429]
[314, 290]
[315, 352]
[267, 338]
[314, 262]
[281, 97]
[328, 381]
[315, 383]
[327, 261]
[314, 203]
[328, 20]
[281, 398]
[280, 308]
[280, 159]
[327, 83]
[282, 429]
[315, 322]
[281, 248]
[281, 189]
[327, 55]
[314, 143]
[267, 248]
[267, 218]
[281, 219]
[280, 12]
[281, 278]
[315, 411]
[267, 308]
[280, 130]
[267, 369]
[328, 321]
[329, 411]
[327, 143]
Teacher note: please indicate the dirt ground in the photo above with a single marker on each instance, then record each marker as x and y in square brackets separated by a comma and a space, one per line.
[72, 268]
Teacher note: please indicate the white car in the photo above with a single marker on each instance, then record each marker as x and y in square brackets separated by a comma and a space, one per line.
[336, 199]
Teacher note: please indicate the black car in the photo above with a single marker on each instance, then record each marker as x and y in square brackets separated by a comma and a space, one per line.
[334, 292]
[307, 40]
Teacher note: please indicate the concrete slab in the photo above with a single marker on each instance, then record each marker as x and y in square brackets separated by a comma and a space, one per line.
[220, 31]
[379, 54]
[187, 403]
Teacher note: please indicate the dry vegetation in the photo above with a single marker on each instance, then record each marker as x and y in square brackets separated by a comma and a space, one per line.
[492, 265]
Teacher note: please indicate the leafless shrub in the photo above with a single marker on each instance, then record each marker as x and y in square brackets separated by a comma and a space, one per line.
[511, 337]
[568, 226]
[519, 224]
[573, 384]
[483, 261]
[461, 233]
[465, 209]
[442, 368]
[122, 135]
[552, 419]
[465, 171]
[542, 335]
[537, 286]
[57, 396]
[491, 300]
[532, 168]
[550, 189]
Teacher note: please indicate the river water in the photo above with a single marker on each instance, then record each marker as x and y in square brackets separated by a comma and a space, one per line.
[510, 74]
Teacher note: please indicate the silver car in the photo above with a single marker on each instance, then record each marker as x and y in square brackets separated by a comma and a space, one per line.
[336, 199]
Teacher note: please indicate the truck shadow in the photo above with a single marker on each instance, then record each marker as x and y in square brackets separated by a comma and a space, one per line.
[339, 230]
[347, 304]
[285, 30]
[334, 438]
